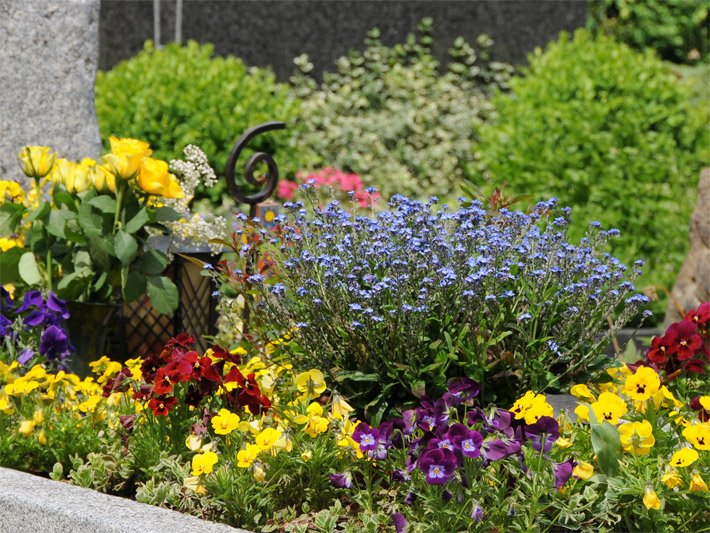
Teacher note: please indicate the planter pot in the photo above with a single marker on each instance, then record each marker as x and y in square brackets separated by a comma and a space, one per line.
[88, 325]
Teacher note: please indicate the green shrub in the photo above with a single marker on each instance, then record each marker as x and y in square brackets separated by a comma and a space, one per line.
[678, 30]
[181, 95]
[389, 115]
[610, 132]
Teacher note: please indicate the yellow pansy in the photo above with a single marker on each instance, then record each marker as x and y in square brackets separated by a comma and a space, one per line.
[698, 435]
[306, 455]
[5, 404]
[225, 422]
[583, 470]
[6, 244]
[705, 402]
[193, 483]
[609, 407]
[672, 479]
[89, 405]
[651, 500]
[563, 443]
[697, 484]
[42, 438]
[154, 178]
[193, 442]
[340, 409]
[637, 437]
[203, 463]
[643, 384]
[246, 456]
[311, 382]
[583, 392]
[522, 404]
[26, 427]
[684, 457]
[267, 438]
[259, 473]
[36, 161]
[582, 412]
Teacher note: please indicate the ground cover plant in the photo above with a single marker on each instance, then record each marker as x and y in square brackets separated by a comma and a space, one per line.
[612, 133]
[416, 295]
[392, 116]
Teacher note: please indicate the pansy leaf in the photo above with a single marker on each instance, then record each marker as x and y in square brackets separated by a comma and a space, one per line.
[163, 294]
[607, 445]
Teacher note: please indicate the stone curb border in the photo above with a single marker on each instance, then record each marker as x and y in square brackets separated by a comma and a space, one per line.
[31, 504]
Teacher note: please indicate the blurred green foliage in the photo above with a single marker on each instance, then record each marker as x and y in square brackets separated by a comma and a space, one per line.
[390, 115]
[180, 95]
[678, 30]
[612, 133]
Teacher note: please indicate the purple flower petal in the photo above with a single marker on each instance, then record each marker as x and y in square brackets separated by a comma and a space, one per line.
[563, 471]
[400, 523]
[25, 356]
[341, 481]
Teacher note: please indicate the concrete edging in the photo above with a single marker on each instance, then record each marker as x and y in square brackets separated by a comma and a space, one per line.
[30, 504]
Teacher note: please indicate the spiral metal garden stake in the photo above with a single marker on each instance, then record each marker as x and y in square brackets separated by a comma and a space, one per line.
[267, 182]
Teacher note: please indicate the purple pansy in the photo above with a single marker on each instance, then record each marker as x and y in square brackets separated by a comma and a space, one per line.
[543, 433]
[58, 306]
[498, 449]
[400, 523]
[563, 471]
[4, 323]
[438, 465]
[477, 513]
[341, 481]
[54, 343]
[470, 445]
[31, 299]
[461, 390]
[26, 355]
[366, 437]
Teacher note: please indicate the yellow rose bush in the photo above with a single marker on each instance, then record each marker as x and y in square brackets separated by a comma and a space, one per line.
[81, 230]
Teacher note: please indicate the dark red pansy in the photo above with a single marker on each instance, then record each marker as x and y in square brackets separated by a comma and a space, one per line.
[162, 404]
[687, 341]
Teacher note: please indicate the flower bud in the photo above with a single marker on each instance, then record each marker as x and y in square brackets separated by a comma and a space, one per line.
[36, 161]
[155, 179]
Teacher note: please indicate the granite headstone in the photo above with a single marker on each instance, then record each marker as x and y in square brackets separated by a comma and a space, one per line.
[48, 60]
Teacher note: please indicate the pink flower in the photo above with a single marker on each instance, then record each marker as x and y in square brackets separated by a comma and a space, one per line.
[285, 189]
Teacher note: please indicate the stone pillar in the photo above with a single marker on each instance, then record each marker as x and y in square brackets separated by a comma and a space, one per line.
[692, 287]
[48, 59]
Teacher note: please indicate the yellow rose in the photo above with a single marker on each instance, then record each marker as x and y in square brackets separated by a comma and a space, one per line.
[79, 179]
[154, 178]
[126, 157]
[62, 171]
[36, 161]
[103, 179]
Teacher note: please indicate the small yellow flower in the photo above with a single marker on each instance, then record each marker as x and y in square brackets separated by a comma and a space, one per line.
[203, 463]
[583, 392]
[42, 438]
[193, 442]
[311, 382]
[6, 244]
[698, 435]
[697, 484]
[583, 470]
[563, 443]
[684, 457]
[609, 407]
[637, 437]
[246, 457]
[340, 408]
[522, 404]
[651, 500]
[705, 402]
[36, 161]
[672, 479]
[643, 384]
[26, 427]
[537, 409]
[259, 473]
[307, 455]
[582, 412]
[225, 422]
[193, 483]
[268, 438]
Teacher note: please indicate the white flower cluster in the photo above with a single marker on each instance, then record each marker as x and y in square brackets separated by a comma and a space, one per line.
[200, 228]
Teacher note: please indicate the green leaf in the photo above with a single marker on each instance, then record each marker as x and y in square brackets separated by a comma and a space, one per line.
[103, 203]
[10, 216]
[152, 263]
[135, 286]
[167, 214]
[72, 285]
[163, 294]
[140, 219]
[40, 212]
[58, 220]
[63, 198]
[101, 249]
[29, 271]
[9, 262]
[126, 247]
[607, 445]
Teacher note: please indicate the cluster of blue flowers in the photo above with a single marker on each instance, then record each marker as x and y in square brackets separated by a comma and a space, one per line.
[375, 294]
[32, 331]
